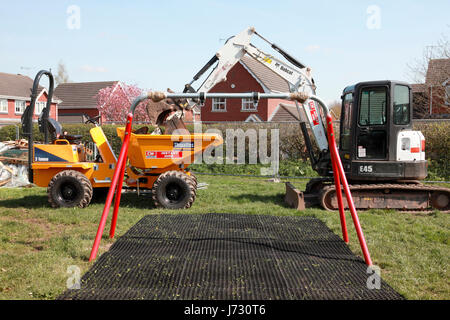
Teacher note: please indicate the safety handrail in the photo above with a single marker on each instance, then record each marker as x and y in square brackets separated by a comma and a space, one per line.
[339, 174]
[157, 96]
[27, 117]
[339, 177]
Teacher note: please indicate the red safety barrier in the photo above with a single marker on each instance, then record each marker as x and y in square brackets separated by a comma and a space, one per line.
[118, 196]
[118, 176]
[337, 185]
[339, 169]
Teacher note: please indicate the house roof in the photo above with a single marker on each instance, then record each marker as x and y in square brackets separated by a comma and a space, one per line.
[269, 79]
[18, 86]
[284, 113]
[81, 94]
[438, 71]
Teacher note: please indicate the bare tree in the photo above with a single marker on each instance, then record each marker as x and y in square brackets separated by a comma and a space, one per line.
[335, 109]
[62, 75]
[417, 70]
[432, 87]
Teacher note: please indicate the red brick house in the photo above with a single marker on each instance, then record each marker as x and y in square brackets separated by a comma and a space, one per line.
[15, 91]
[248, 75]
[79, 100]
[432, 98]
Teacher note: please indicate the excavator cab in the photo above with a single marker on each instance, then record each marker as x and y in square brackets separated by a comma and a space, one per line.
[377, 141]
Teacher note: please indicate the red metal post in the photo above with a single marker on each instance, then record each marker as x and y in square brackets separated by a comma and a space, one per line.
[337, 160]
[117, 175]
[118, 195]
[337, 183]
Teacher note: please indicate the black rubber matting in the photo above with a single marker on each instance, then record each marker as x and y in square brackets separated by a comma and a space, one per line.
[228, 257]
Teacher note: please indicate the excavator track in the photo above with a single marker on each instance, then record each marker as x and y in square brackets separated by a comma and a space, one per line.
[410, 197]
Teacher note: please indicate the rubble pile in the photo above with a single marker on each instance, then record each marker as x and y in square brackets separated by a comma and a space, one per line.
[14, 164]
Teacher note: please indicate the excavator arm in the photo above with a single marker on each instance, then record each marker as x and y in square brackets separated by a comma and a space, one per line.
[296, 74]
[227, 57]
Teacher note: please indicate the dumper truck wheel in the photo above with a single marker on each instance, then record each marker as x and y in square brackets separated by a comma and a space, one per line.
[194, 178]
[69, 188]
[174, 190]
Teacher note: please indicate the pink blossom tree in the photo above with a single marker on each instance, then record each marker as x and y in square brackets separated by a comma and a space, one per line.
[114, 103]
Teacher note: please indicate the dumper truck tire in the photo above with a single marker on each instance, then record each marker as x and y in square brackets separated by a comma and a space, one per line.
[194, 178]
[174, 190]
[69, 188]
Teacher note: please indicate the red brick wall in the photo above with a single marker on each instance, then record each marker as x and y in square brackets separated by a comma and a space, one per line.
[437, 104]
[244, 82]
[89, 112]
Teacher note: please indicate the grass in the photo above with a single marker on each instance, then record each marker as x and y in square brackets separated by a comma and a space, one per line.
[38, 244]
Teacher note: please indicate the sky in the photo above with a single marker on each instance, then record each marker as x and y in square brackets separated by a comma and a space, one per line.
[162, 44]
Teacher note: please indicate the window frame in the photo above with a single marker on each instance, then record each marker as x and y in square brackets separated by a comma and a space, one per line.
[347, 114]
[24, 106]
[248, 101]
[44, 103]
[394, 105]
[386, 102]
[7, 106]
[216, 103]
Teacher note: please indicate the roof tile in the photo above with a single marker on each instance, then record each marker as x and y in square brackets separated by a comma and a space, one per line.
[81, 94]
[438, 71]
[270, 79]
[16, 85]
[285, 113]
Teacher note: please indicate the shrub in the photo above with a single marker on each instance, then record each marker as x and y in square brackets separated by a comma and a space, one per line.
[287, 168]
[292, 145]
[437, 144]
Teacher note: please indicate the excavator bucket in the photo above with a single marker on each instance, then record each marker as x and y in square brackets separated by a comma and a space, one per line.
[294, 198]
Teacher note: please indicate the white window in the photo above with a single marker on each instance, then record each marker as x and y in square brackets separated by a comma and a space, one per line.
[20, 106]
[3, 106]
[219, 104]
[39, 107]
[247, 105]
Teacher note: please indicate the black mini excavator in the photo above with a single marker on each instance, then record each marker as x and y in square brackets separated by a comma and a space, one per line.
[383, 157]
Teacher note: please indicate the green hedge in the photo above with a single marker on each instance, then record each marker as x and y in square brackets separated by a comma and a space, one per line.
[437, 144]
[287, 168]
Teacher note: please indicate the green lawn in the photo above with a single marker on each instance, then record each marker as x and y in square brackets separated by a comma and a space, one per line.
[38, 244]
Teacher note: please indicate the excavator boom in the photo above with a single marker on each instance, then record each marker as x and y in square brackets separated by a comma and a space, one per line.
[295, 73]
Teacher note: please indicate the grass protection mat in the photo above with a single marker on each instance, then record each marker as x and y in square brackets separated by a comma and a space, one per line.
[228, 257]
